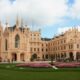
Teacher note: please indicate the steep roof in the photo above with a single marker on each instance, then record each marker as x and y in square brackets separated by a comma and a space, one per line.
[13, 27]
[45, 39]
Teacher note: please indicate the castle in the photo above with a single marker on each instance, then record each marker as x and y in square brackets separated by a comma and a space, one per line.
[19, 44]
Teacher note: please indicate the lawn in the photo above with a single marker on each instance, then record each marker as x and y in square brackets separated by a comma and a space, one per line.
[11, 72]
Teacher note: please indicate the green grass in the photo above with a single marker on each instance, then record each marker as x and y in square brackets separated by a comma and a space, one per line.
[10, 72]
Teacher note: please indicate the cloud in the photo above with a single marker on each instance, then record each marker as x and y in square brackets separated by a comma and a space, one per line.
[74, 11]
[64, 29]
[38, 12]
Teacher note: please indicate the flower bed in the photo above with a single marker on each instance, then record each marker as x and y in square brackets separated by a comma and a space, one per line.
[68, 65]
[35, 65]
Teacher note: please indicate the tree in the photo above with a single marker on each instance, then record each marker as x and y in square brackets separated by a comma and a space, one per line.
[52, 58]
[33, 57]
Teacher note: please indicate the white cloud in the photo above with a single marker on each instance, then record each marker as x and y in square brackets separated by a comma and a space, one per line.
[74, 11]
[64, 29]
[41, 11]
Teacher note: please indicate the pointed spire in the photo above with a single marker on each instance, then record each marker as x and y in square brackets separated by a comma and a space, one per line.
[22, 22]
[17, 21]
[7, 22]
[22, 26]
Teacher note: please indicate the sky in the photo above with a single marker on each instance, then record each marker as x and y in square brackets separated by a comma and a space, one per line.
[51, 16]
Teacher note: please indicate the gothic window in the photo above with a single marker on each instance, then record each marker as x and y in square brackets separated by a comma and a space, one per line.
[17, 41]
[6, 44]
[71, 46]
[34, 49]
[77, 45]
[42, 49]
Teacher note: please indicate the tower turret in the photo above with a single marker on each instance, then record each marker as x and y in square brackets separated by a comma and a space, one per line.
[7, 22]
[17, 22]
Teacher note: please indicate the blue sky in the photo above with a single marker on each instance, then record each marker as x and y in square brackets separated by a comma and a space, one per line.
[51, 16]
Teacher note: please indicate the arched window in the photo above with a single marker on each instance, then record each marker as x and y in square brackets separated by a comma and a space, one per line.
[6, 44]
[17, 41]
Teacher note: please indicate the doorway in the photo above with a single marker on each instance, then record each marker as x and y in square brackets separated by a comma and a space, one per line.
[14, 57]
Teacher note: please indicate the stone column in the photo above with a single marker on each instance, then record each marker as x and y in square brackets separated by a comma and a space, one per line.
[18, 57]
[6, 56]
[9, 57]
[74, 54]
[67, 55]
[60, 55]
[27, 57]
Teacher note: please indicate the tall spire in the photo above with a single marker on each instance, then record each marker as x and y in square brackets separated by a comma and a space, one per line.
[22, 22]
[17, 21]
[22, 26]
[7, 20]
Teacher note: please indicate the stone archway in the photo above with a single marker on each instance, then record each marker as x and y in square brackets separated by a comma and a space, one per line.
[62, 55]
[43, 57]
[46, 56]
[14, 57]
[22, 57]
[71, 56]
[78, 56]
